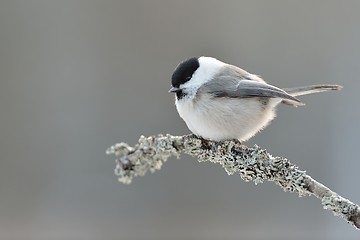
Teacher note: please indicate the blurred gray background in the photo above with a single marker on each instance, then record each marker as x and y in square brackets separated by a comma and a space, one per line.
[79, 76]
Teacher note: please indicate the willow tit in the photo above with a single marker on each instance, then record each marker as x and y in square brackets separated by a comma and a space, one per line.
[219, 101]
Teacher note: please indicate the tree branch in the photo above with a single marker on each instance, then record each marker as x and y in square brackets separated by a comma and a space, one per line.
[253, 164]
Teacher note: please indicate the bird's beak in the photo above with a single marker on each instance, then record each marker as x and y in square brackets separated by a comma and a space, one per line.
[174, 89]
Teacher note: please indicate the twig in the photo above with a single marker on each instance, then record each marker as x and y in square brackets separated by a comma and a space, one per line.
[253, 164]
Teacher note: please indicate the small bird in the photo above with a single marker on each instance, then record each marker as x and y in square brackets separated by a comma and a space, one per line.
[219, 101]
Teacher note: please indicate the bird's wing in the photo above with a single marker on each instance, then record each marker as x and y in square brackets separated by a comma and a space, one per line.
[235, 86]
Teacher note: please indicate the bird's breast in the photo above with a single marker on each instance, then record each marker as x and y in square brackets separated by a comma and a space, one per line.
[223, 118]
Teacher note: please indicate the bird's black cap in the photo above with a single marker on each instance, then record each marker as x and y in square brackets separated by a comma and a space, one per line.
[184, 71]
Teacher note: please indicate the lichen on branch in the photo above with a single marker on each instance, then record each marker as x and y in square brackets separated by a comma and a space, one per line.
[251, 163]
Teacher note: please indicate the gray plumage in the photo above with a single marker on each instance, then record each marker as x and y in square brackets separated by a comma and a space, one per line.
[234, 82]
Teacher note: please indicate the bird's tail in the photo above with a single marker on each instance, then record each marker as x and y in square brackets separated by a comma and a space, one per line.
[299, 91]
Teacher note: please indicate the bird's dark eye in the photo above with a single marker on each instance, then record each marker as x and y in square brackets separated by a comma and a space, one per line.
[187, 78]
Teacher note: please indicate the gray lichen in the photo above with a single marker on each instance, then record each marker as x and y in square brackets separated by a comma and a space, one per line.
[251, 163]
[148, 155]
